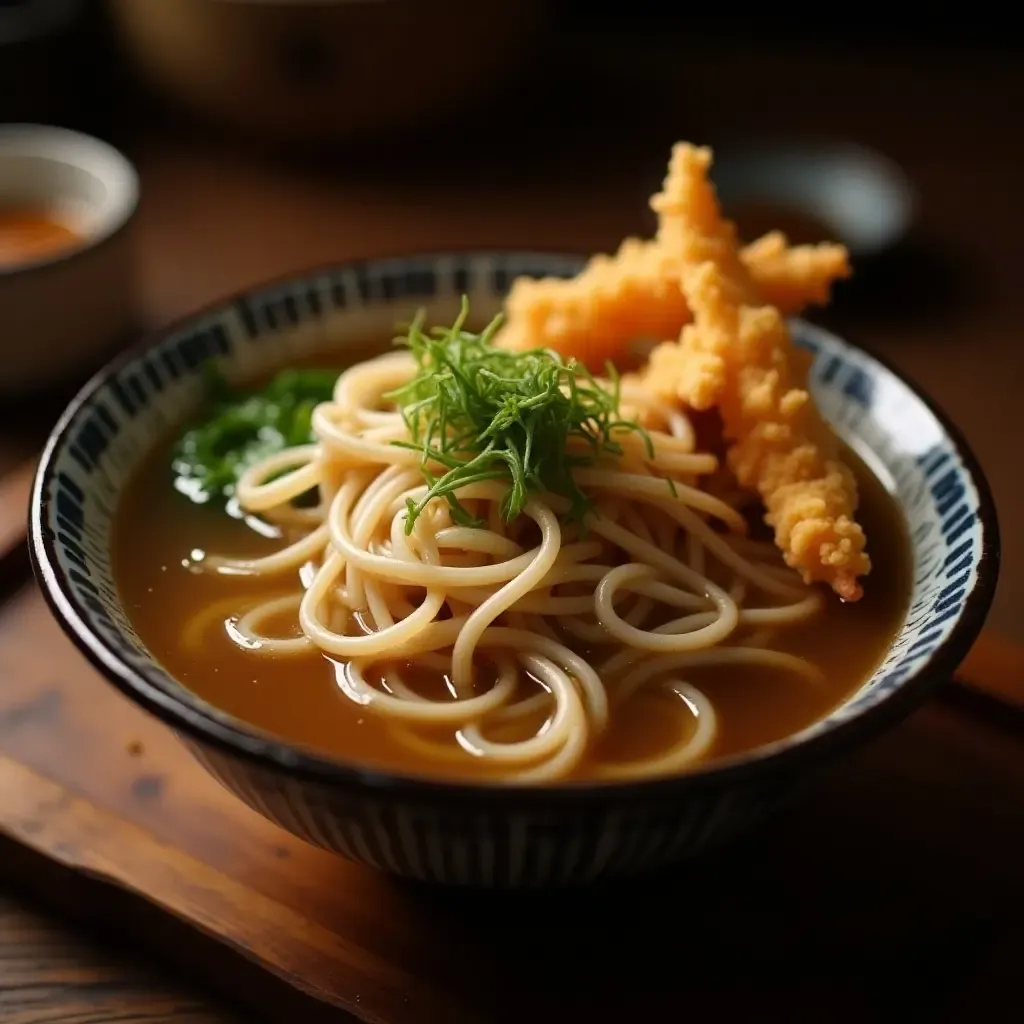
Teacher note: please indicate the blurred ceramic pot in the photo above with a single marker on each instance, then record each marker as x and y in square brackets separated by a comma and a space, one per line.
[327, 71]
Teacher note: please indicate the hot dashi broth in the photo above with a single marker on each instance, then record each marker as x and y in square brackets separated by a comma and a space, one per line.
[158, 532]
[493, 555]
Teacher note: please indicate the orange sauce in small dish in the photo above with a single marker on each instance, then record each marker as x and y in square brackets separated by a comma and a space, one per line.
[28, 234]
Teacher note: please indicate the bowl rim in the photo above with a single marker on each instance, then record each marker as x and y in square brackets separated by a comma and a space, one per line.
[92, 155]
[234, 738]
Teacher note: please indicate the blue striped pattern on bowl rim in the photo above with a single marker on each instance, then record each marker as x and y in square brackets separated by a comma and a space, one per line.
[119, 413]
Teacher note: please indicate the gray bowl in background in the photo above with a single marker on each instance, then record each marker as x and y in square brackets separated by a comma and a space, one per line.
[857, 196]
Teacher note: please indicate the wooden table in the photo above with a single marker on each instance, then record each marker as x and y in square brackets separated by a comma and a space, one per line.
[214, 220]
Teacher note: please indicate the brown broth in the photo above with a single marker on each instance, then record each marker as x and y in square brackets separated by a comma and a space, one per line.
[28, 234]
[298, 699]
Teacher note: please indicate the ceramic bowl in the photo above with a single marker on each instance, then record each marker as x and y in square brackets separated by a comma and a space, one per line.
[462, 833]
[65, 313]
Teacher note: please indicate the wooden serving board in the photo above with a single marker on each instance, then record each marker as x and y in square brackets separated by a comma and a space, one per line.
[904, 868]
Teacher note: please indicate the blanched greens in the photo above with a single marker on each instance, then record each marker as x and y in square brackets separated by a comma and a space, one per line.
[243, 426]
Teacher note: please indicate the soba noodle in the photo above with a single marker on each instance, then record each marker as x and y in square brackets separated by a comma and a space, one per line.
[543, 628]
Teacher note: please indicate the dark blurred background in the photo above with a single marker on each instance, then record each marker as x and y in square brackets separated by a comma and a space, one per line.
[77, 61]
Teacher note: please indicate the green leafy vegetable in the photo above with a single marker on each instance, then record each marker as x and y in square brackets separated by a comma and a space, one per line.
[244, 426]
[473, 411]
[486, 413]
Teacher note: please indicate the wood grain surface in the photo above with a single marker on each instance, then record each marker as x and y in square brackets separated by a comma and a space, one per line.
[95, 794]
[899, 875]
[51, 975]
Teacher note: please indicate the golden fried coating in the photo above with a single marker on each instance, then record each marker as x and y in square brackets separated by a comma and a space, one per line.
[737, 355]
[635, 294]
[594, 316]
[790, 278]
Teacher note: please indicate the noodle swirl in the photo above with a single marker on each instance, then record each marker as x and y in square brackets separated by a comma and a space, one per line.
[541, 627]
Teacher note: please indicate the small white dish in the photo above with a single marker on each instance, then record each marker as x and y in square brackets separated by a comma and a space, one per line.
[62, 312]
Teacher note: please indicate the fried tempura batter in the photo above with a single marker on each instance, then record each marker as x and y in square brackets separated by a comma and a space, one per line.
[635, 294]
[737, 355]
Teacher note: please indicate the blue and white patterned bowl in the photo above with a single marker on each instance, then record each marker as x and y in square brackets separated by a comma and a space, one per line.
[459, 833]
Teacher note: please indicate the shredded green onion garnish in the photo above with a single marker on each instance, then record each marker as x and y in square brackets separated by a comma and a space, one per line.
[479, 412]
[243, 426]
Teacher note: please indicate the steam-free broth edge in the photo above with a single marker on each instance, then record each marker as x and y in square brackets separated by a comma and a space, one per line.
[159, 532]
